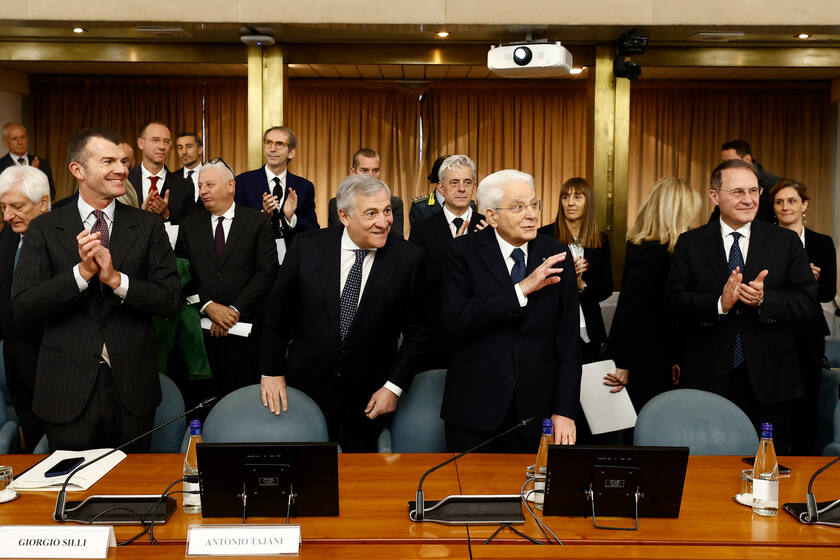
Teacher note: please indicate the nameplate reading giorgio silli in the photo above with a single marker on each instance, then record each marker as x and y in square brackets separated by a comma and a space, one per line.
[50, 541]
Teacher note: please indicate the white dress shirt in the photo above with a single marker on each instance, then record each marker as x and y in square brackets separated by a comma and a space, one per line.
[466, 216]
[728, 241]
[577, 251]
[196, 170]
[147, 182]
[269, 174]
[86, 213]
[15, 158]
[226, 223]
[348, 258]
[507, 249]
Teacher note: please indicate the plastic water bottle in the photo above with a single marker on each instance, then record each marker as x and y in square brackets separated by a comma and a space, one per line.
[546, 439]
[192, 502]
[766, 475]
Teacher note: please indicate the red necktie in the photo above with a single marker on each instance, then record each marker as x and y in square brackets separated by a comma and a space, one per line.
[153, 189]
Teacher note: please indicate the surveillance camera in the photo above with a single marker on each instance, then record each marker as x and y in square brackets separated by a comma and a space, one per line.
[257, 40]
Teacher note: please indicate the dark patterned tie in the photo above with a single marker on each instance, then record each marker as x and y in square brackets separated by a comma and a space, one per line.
[153, 190]
[517, 273]
[350, 293]
[21, 161]
[457, 222]
[190, 174]
[220, 238]
[736, 259]
[101, 226]
[275, 216]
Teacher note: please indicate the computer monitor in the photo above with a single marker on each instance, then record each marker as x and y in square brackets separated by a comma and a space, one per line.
[267, 473]
[611, 476]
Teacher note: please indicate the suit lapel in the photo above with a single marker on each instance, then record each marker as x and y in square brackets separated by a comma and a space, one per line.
[377, 283]
[492, 256]
[123, 235]
[237, 227]
[757, 254]
[69, 225]
[713, 250]
[441, 228]
[328, 268]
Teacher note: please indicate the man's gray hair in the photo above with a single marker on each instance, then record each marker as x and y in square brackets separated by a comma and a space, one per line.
[351, 185]
[491, 189]
[31, 181]
[455, 162]
[227, 174]
[9, 125]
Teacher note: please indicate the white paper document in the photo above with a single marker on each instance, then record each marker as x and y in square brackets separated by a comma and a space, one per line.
[239, 329]
[34, 478]
[172, 232]
[605, 411]
[281, 249]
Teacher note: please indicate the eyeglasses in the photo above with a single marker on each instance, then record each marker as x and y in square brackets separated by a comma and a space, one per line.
[279, 144]
[220, 160]
[517, 209]
[741, 193]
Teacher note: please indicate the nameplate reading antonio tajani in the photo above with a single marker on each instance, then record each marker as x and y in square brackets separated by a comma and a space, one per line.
[238, 540]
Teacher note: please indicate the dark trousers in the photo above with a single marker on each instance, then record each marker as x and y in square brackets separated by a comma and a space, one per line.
[20, 359]
[780, 415]
[232, 361]
[347, 423]
[461, 438]
[104, 422]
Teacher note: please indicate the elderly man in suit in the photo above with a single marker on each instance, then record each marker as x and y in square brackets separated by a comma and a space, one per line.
[738, 286]
[334, 318]
[287, 198]
[366, 162]
[510, 298]
[16, 139]
[233, 262]
[160, 191]
[24, 195]
[96, 272]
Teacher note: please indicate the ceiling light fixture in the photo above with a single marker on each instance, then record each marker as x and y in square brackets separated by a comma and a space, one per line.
[576, 70]
[803, 36]
[443, 34]
[78, 30]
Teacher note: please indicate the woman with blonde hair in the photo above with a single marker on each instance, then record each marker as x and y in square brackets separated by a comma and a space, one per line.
[576, 227]
[644, 339]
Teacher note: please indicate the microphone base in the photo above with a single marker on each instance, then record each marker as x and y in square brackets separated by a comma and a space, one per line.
[121, 510]
[797, 509]
[472, 510]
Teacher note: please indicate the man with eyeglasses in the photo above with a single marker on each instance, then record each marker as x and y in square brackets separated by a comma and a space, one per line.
[233, 262]
[166, 194]
[740, 149]
[511, 306]
[739, 286]
[286, 197]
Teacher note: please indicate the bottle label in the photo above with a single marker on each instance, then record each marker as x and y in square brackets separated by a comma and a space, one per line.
[767, 491]
[191, 500]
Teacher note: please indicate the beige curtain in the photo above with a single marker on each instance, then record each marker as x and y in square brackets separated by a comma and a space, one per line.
[536, 127]
[676, 129]
[63, 105]
[333, 119]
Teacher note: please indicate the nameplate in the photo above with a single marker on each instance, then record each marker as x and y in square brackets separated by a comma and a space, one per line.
[242, 540]
[51, 541]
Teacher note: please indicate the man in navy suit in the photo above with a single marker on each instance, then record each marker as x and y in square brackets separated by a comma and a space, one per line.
[511, 302]
[289, 199]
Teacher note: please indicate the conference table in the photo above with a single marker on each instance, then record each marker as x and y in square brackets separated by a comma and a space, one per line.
[374, 490]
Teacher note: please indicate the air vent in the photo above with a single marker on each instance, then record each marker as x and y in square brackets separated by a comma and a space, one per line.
[717, 36]
[161, 31]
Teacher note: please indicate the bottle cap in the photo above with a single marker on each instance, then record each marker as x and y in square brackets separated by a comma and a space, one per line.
[547, 426]
[766, 429]
[195, 427]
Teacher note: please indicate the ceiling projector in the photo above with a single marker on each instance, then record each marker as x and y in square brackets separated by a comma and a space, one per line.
[530, 60]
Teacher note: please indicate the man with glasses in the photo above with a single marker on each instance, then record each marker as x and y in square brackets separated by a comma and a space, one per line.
[739, 285]
[287, 198]
[158, 190]
[740, 149]
[511, 306]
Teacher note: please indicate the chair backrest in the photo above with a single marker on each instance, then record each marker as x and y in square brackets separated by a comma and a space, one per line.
[417, 426]
[5, 394]
[832, 353]
[168, 439]
[705, 422]
[42, 447]
[241, 417]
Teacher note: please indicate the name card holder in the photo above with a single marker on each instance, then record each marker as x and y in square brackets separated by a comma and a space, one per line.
[243, 540]
[51, 541]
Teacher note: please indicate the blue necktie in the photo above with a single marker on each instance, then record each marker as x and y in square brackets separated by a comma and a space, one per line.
[517, 273]
[736, 259]
[17, 255]
[350, 293]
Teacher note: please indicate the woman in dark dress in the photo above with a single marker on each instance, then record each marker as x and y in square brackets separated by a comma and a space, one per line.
[575, 226]
[790, 202]
[644, 339]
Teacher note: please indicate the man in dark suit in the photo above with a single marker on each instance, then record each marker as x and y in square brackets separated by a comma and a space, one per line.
[190, 150]
[233, 262]
[95, 273]
[738, 286]
[167, 194]
[512, 316]
[740, 149]
[429, 203]
[287, 198]
[15, 138]
[341, 299]
[24, 195]
[366, 162]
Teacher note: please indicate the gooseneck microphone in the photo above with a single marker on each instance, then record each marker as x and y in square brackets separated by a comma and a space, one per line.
[59, 514]
[420, 505]
[812, 511]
